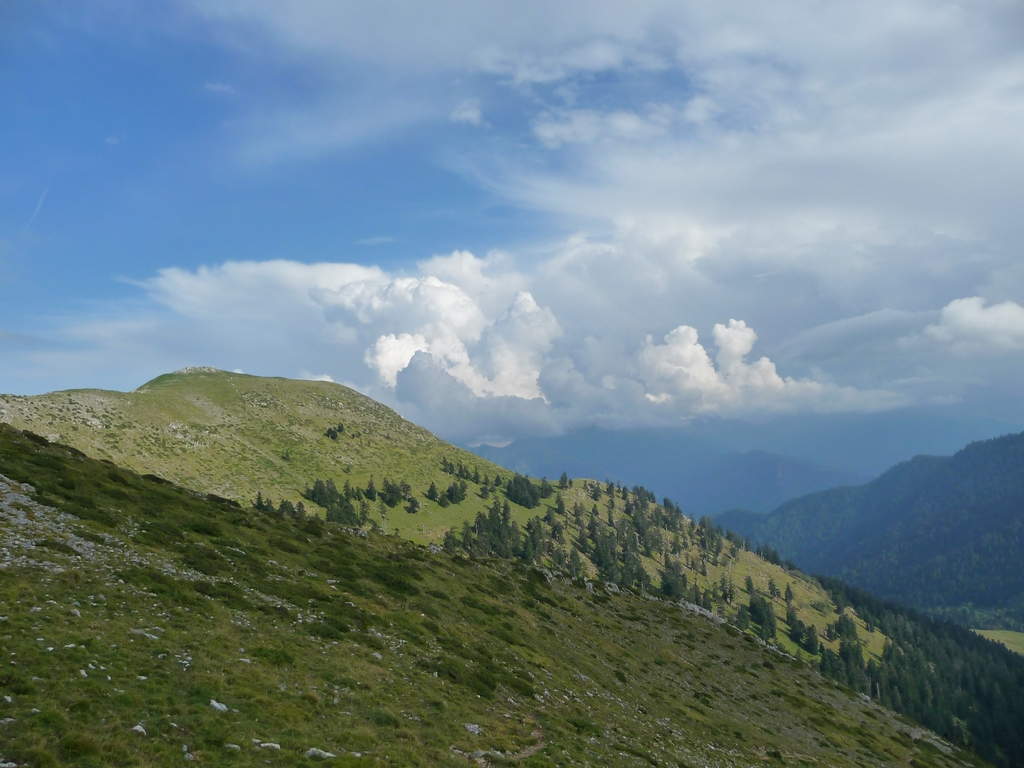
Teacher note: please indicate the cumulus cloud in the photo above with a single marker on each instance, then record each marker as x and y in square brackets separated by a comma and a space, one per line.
[681, 372]
[967, 325]
[838, 176]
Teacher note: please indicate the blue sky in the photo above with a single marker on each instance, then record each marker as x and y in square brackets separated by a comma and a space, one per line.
[522, 219]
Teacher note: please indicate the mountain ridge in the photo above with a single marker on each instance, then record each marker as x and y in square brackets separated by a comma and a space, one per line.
[942, 533]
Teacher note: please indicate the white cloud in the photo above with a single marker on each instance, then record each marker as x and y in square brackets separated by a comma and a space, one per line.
[588, 126]
[967, 325]
[837, 175]
[680, 372]
[468, 112]
[391, 354]
[308, 376]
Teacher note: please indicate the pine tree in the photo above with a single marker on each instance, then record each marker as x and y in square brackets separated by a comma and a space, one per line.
[451, 543]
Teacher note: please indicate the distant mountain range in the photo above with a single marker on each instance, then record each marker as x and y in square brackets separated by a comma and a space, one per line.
[701, 479]
[945, 534]
[711, 465]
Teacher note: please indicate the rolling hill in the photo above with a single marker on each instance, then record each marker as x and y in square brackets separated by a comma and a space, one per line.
[945, 534]
[142, 623]
[236, 435]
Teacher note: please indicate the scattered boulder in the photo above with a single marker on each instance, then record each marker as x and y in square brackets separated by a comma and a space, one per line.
[218, 706]
[232, 746]
[139, 730]
[473, 728]
[270, 745]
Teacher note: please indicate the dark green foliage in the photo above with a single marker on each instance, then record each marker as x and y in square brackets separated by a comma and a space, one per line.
[338, 505]
[393, 494]
[950, 679]
[945, 534]
[762, 614]
[519, 490]
[673, 581]
[456, 492]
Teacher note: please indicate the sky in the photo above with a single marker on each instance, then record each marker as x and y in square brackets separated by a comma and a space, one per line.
[522, 219]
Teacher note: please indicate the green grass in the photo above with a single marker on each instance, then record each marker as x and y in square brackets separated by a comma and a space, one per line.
[364, 644]
[233, 435]
[1012, 640]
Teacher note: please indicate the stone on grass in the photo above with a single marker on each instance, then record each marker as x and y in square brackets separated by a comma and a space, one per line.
[139, 730]
[232, 746]
[218, 706]
[270, 745]
[314, 752]
[472, 728]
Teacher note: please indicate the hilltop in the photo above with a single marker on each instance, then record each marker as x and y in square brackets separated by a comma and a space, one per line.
[945, 534]
[236, 435]
[144, 622]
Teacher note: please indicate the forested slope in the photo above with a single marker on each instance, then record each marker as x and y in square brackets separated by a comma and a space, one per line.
[943, 534]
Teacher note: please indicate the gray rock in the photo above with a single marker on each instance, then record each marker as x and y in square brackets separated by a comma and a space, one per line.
[323, 755]
[472, 728]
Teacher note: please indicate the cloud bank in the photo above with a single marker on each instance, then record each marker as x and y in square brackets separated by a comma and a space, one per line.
[466, 347]
[747, 210]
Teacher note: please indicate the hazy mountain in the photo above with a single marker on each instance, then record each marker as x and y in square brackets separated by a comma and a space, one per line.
[712, 465]
[942, 533]
[700, 478]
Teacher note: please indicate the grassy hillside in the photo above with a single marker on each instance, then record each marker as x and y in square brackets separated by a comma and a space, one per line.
[1012, 640]
[141, 623]
[236, 435]
[943, 534]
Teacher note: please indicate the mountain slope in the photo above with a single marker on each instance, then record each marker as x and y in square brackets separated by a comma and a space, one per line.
[228, 434]
[236, 435]
[143, 623]
[940, 533]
